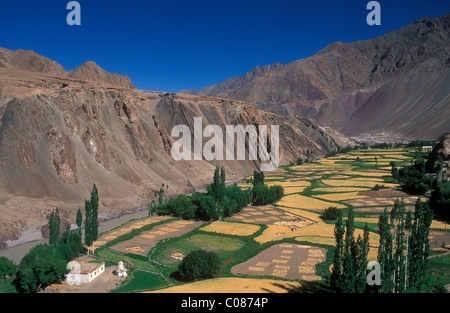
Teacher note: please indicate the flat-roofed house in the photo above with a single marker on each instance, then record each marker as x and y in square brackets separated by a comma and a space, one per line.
[84, 270]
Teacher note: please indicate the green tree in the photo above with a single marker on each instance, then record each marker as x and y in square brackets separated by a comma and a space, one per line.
[79, 219]
[338, 260]
[258, 178]
[385, 253]
[88, 238]
[199, 264]
[404, 248]
[242, 197]
[7, 267]
[350, 257]
[91, 217]
[69, 245]
[94, 213]
[207, 209]
[39, 268]
[54, 227]
[217, 188]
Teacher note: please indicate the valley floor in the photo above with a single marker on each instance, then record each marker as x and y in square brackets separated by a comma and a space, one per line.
[273, 248]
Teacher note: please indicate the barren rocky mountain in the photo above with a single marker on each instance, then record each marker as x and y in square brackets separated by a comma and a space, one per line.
[33, 62]
[61, 132]
[396, 83]
[228, 86]
[90, 71]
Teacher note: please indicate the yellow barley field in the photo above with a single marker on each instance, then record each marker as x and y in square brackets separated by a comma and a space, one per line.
[290, 190]
[372, 179]
[233, 285]
[368, 220]
[273, 232]
[341, 196]
[339, 189]
[355, 183]
[231, 228]
[359, 173]
[439, 225]
[315, 217]
[302, 202]
[297, 183]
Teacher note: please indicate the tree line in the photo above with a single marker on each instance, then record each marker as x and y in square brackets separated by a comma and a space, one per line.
[420, 178]
[219, 200]
[402, 253]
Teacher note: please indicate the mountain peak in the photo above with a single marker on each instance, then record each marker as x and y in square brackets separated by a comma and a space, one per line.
[226, 87]
[30, 61]
[90, 71]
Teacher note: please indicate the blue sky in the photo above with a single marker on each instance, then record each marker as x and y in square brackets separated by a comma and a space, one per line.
[173, 45]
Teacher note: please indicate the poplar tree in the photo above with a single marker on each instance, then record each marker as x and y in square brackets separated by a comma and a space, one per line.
[54, 227]
[88, 239]
[404, 247]
[336, 275]
[79, 219]
[94, 217]
[385, 253]
[218, 185]
[350, 258]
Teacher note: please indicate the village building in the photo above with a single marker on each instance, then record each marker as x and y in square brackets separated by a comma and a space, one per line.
[84, 270]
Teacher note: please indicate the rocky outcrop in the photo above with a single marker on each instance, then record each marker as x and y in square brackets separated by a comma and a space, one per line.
[440, 153]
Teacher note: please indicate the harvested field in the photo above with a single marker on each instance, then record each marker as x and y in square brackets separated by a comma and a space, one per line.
[341, 196]
[267, 215]
[371, 173]
[339, 189]
[302, 202]
[128, 228]
[290, 261]
[290, 183]
[291, 190]
[439, 238]
[231, 228]
[380, 201]
[355, 183]
[142, 243]
[233, 285]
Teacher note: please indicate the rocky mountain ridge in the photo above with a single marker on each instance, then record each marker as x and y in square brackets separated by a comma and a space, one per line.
[32, 62]
[396, 83]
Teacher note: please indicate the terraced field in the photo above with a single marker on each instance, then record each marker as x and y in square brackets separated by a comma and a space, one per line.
[265, 248]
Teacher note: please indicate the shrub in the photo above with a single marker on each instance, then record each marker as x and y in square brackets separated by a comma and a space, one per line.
[206, 209]
[332, 213]
[263, 195]
[199, 264]
[241, 197]
[378, 187]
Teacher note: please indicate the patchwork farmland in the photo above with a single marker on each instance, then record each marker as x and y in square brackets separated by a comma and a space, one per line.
[262, 247]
